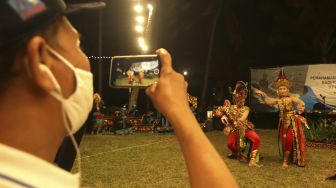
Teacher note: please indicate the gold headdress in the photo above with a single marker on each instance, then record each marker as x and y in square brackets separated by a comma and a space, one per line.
[240, 92]
[282, 80]
[96, 96]
[192, 101]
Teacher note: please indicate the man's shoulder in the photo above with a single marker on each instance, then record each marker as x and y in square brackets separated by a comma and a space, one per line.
[16, 164]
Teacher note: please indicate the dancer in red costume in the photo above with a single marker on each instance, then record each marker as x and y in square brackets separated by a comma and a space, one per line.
[291, 137]
[243, 140]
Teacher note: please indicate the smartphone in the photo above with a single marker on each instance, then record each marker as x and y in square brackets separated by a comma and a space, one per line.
[134, 71]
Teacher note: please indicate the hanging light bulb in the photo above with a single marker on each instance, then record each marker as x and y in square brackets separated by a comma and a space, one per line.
[140, 19]
[139, 28]
[138, 8]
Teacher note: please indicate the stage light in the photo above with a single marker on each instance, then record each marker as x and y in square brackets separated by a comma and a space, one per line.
[150, 7]
[140, 19]
[139, 28]
[185, 73]
[138, 8]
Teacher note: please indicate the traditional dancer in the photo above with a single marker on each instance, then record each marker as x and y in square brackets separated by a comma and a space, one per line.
[97, 114]
[141, 74]
[130, 74]
[291, 137]
[243, 140]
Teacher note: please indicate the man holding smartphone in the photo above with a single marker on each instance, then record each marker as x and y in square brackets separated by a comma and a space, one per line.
[47, 77]
[169, 96]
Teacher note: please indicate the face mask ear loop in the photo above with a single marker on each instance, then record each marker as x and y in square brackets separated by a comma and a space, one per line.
[60, 57]
[78, 155]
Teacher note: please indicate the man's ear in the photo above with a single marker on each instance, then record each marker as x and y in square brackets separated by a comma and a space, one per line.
[36, 54]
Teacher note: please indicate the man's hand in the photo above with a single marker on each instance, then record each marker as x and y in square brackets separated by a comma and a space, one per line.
[227, 130]
[169, 94]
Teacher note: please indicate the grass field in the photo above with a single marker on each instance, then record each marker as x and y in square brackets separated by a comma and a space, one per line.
[153, 160]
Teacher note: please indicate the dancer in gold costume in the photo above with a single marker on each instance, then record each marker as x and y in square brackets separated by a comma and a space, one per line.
[243, 141]
[291, 137]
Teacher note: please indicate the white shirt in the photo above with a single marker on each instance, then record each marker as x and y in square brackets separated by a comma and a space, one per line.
[19, 169]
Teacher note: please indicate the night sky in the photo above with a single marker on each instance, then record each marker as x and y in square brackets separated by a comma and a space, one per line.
[247, 33]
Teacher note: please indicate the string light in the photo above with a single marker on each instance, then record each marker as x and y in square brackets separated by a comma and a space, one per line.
[141, 27]
[140, 19]
[138, 8]
[144, 48]
[141, 41]
[99, 57]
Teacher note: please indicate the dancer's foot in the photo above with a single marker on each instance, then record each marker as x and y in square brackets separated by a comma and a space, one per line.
[254, 164]
[253, 159]
[303, 164]
[285, 161]
[285, 164]
[232, 155]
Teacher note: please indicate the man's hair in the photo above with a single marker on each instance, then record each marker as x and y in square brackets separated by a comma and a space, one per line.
[8, 55]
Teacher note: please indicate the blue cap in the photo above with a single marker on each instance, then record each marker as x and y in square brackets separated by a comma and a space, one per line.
[20, 18]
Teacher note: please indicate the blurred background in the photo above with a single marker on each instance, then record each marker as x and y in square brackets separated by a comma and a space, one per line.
[214, 41]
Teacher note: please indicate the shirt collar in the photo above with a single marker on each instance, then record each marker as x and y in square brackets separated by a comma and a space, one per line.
[33, 170]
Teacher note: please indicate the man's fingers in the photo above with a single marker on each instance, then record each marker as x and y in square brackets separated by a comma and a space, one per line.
[166, 61]
[151, 89]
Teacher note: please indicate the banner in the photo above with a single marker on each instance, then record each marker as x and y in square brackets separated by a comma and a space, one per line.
[314, 84]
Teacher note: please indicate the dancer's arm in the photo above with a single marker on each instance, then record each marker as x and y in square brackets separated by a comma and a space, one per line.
[267, 100]
[300, 104]
[245, 114]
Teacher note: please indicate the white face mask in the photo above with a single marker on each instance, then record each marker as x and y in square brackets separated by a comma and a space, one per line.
[76, 107]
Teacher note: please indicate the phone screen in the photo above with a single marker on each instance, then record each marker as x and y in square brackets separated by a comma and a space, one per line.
[134, 71]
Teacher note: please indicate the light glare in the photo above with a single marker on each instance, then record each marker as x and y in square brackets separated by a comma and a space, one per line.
[150, 7]
[140, 19]
[141, 41]
[139, 28]
[138, 8]
[145, 48]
